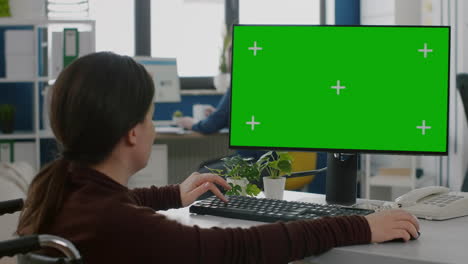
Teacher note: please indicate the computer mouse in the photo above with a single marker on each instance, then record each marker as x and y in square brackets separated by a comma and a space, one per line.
[402, 240]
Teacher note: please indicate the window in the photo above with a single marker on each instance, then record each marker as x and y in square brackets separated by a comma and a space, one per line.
[115, 25]
[279, 12]
[191, 31]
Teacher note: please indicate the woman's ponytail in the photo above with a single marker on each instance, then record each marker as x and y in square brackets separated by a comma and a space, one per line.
[45, 198]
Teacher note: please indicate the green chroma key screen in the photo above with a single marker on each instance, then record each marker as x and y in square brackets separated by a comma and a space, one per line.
[356, 88]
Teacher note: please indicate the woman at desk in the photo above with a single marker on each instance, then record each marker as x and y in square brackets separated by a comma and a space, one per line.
[101, 114]
[218, 118]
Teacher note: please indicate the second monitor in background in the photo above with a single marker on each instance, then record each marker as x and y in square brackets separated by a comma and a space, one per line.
[165, 77]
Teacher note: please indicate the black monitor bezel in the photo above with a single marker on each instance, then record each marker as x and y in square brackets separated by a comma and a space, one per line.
[401, 152]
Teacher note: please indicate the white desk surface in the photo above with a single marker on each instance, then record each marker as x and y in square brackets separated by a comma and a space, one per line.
[440, 241]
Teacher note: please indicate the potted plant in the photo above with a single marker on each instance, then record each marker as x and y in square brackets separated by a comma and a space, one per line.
[176, 116]
[4, 8]
[222, 80]
[241, 174]
[276, 165]
[7, 118]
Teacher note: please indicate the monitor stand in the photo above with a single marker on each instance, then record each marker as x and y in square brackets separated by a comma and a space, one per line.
[341, 181]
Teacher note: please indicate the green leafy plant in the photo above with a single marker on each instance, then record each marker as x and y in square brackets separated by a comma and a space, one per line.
[223, 67]
[238, 168]
[276, 164]
[5, 8]
[7, 112]
[177, 113]
[7, 117]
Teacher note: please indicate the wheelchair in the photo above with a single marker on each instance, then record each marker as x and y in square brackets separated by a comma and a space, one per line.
[23, 247]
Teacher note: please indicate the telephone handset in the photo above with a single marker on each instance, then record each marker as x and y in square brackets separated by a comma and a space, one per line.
[434, 203]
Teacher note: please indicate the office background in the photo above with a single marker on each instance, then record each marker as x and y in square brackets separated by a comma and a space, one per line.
[148, 27]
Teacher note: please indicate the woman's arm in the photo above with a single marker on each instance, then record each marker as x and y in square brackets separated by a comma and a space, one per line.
[175, 196]
[158, 198]
[218, 119]
[140, 235]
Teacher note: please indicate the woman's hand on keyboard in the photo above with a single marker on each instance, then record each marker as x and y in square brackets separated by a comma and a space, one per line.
[199, 183]
[392, 224]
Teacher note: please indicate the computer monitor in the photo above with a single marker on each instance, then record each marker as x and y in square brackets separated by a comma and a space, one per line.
[165, 77]
[341, 89]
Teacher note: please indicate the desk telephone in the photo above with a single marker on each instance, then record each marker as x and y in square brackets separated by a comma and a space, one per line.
[434, 203]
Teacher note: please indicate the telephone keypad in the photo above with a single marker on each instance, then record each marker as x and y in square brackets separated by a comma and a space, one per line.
[443, 200]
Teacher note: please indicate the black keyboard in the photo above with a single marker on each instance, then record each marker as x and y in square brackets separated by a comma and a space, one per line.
[270, 210]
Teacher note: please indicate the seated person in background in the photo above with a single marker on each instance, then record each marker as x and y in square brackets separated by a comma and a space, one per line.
[101, 115]
[218, 118]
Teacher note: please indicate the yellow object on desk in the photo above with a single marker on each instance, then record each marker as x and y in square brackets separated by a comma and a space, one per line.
[302, 161]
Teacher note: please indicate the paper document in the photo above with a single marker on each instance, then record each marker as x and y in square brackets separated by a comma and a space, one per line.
[169, 130]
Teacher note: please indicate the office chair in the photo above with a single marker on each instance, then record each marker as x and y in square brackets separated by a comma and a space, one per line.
[25, 245]
[462, 85]
[302, 161]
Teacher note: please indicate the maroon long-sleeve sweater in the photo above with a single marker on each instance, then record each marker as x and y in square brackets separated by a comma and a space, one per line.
[112, 224]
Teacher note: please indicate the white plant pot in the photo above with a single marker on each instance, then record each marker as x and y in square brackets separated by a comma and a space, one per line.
[274, 188]
[175, 119]
[241, 182]
[222, 81]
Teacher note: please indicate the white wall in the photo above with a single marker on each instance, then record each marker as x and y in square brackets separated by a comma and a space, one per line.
[452, 13]
[459, 154]
[408, 12]
[449, 170]
[463, 67]
[330, 12]
[28, 9]
[390, 12]
[377, 12]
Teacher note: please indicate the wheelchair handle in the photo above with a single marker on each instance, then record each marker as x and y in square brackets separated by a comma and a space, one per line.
[11, 206]
[61, 244]
[21, 245]
[26, 244]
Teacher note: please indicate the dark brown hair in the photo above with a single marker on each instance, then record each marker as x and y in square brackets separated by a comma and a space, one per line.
[96, 100]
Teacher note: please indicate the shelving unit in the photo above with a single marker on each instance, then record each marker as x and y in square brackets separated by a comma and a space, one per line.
[393, 12]
[38, 82]
[389, 180]
[388, 185]
[18, 135]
